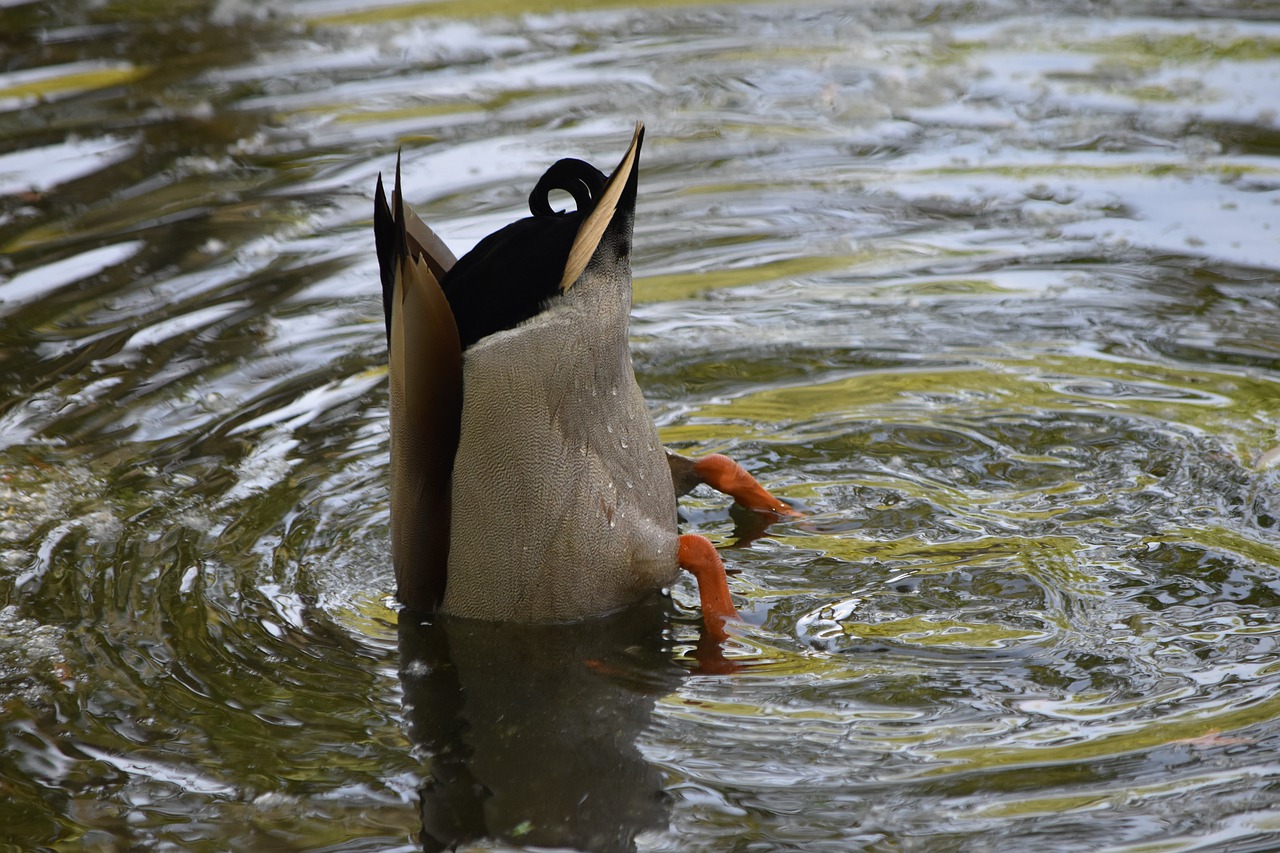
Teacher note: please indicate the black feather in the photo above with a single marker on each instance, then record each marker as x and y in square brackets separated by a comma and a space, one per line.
[511, 274]
[384, 238]
[576, 177]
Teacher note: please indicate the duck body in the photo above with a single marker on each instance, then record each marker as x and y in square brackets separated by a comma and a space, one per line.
[528, 482]
[584, 520]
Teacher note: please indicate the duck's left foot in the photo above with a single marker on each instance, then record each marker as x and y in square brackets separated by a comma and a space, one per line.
[724, 475]
[699, 557]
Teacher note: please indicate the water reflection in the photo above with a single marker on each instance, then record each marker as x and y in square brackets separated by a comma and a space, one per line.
[530, 731]
[990, 287]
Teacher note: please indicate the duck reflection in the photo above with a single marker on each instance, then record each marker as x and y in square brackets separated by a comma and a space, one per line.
[530, 730]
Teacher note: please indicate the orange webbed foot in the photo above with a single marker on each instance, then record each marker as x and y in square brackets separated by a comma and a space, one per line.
[699, 557]
[724, 475]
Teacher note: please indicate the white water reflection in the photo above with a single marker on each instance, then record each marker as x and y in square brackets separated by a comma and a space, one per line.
[41, 169]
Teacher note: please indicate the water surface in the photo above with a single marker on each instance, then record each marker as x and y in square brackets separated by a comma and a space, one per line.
[989, 289]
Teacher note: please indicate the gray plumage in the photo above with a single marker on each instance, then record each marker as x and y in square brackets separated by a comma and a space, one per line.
[561, 504]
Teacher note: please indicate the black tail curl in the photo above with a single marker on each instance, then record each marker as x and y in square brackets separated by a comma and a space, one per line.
[511, 274]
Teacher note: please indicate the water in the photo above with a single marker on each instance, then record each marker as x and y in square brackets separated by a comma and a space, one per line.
[989, 289]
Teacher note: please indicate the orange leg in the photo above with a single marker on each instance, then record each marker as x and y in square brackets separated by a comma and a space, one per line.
[698, 556]
[723, 474]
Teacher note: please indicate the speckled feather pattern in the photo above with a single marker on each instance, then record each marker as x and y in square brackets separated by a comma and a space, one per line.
[563, 505]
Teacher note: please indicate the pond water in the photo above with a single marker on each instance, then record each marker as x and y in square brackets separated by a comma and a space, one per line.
[989, 290]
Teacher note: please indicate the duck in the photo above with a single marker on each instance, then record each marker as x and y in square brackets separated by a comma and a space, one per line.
[528, 482]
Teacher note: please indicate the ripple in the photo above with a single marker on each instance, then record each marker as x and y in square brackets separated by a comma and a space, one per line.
[991, 296]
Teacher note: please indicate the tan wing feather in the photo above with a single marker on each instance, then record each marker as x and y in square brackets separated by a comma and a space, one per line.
[592, 229]
[424, 244]
[426, 406]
